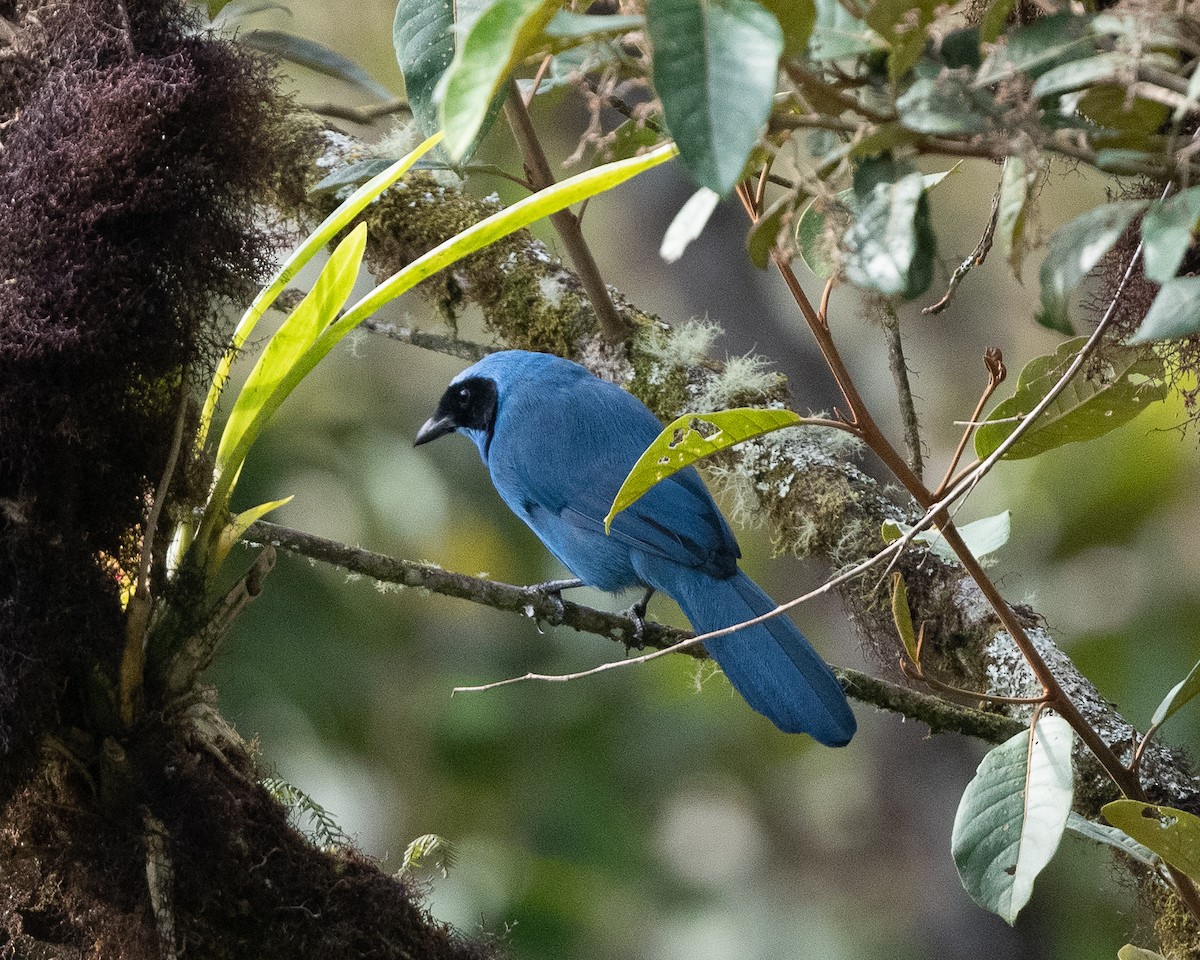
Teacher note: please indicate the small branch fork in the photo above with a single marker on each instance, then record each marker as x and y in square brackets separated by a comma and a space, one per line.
[936, 505]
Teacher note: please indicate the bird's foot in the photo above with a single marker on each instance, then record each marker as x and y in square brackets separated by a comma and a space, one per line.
[637, 613]
[551, 590]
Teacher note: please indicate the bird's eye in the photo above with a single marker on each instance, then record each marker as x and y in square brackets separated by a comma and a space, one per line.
[464, 396]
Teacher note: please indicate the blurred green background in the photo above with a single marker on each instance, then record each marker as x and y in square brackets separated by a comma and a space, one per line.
[648, 813]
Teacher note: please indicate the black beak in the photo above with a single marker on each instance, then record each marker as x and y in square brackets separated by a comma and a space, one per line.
[433, 428]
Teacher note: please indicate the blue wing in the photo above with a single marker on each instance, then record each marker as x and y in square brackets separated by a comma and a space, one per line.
[562, 447]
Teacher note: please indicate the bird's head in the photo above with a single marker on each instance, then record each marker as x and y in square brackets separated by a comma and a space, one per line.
[469, 404]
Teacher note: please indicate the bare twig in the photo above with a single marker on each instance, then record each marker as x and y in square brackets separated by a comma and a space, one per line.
[978, 255]
[361, 115]
[899, 368]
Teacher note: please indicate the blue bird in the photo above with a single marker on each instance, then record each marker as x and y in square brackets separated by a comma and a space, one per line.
[558, 443]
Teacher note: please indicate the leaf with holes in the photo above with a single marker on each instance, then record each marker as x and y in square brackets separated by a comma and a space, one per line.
[1173, 834]
[1012, 816]
[692, 437]
[1128, 381]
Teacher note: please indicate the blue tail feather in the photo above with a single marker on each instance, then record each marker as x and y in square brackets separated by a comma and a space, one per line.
[771, 665]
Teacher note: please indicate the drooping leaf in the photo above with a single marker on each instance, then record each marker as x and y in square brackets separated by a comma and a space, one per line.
[1168, 230]
[1177, 697]
[715, 68]
[423, 37]
[1075, 249]
[1112, 837]
[1175, 312]
[983, 536]
[1012, 816]
[314, 56]
[1173, 834]
[688, 223]
[569, 27]
[1128, 382]
[1016, 183]
[501, 36]
[692, 437]
[902, 618]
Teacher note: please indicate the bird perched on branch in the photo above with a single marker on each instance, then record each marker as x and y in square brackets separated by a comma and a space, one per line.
[558, 443]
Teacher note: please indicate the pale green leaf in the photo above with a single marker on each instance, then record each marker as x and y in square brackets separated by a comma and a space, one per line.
[1130, 952]
[1168, 230]
[692, 437]
[1037, 47]
[1016, 184]
[1129, 381]
[1175, 312]
[578, 27]
[1177, 697]
[890, 247]
[503, 35]
[839, 35]
[1012, 816]
[232, 531]
[1173, 834]
[1117, 839]
[1075, 249]
[688, 223]
[716, 64]
[983, 536]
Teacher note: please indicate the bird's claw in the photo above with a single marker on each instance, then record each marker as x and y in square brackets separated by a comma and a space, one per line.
[551, 591]
[637, 613]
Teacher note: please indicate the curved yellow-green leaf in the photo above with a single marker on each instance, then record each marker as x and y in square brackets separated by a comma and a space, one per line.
[902, 617]
[329, 227]
[692, 437]
[240, 524]
[1173, 834]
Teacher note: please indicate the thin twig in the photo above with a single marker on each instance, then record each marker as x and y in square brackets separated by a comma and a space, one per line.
[362, 115]
[978, 255]
[899, 368]
[612, 325]
[993, 359]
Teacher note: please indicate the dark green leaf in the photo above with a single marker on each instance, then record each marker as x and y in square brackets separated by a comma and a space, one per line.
[1127, 383]
[838, 35]
[423, 37]
[797, 18]
[1168, 230]
[352, 174]
[1038, 47]
[1012, 816]
[315, 56]
[960, 49]
[500, 37]
[1075, 249]
[1173, 834]
[1081, 73]
[1175, 312]
[715, 68]
[944, 105]
[765, 233]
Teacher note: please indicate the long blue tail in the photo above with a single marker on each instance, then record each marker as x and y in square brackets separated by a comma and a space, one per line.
[771, 665]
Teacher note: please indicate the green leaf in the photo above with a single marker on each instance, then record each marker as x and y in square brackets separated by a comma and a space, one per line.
[945, 105]
[839, 35]
[991, 25]
[902, 618]
[1016, 184]
[315, 56]
[1168, 231]
[890, 246]
[1012, 816]
[1177, 697]
[351, 174]
[902, 24]
[715, 69]
[765, 233]
[983, 536]
[630, 138]
[1174, 313]
[1173, 834]
[797, 18]
[233, 531]
[1038, 47]
[1117, 839]
[1075, 249]
[325, 231]
[1090, 406]
[1079, 74]
[503, 35]
[424, 40]
[257, 399]
[688, 223]
[692, 437]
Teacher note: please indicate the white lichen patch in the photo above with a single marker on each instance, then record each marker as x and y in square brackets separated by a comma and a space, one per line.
[552, 290]
[741, 376]
[689, 344]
